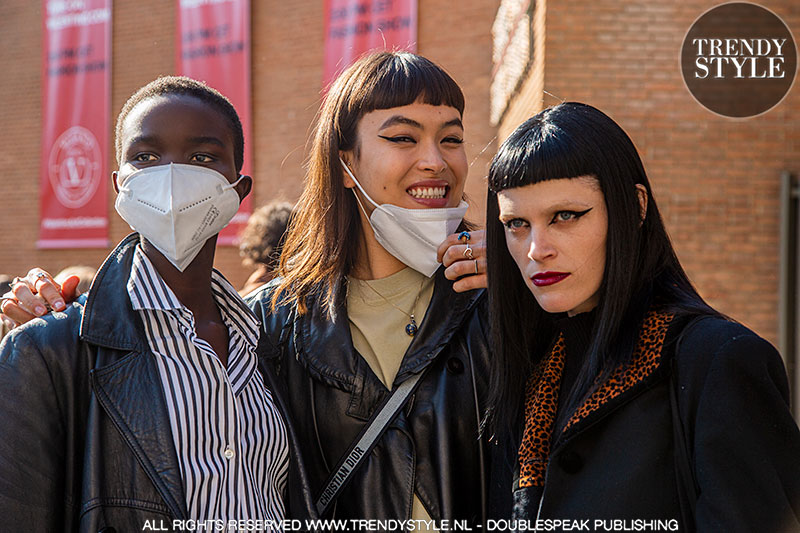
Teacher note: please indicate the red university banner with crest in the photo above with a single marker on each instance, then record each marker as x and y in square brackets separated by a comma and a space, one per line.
[76, 74]
[353, 27]
[213, 46]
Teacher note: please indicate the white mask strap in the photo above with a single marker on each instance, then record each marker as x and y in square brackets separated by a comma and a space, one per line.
[360, 188]
[235, 183]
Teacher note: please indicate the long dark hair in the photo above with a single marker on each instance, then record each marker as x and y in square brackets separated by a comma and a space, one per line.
[641, 270]
[322, 240]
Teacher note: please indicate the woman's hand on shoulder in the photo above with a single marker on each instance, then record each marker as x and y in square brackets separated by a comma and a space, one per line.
[35, 295]
[464, 257]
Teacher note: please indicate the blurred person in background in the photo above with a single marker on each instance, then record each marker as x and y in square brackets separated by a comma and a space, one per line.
[260, 242]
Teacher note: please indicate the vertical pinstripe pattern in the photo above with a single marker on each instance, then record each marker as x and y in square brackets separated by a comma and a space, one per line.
[230, 439]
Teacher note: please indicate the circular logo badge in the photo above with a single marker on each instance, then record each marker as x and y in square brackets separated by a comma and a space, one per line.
[739, 60]
[75, 167]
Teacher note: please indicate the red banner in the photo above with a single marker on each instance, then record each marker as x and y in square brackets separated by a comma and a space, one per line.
[76, 82]
[353, 27]
[213, 46]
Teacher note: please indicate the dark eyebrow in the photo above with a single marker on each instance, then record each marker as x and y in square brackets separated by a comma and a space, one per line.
[153, 139]
[399, 119]
[147, 139]
[208, 140]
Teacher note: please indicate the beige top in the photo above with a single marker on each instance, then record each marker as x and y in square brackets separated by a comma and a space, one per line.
[378, 328]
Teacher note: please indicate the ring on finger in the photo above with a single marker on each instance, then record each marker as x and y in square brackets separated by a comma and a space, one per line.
[464, 235]
[468, 252]
[41, 276]
[476, 265]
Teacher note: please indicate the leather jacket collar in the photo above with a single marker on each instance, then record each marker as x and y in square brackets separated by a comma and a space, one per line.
[125, 379]
[325, 348]
[108, 317]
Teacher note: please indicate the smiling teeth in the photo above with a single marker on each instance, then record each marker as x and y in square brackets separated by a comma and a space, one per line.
[428, 192]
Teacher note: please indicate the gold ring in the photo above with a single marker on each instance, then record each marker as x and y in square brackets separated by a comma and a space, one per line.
[468, 252]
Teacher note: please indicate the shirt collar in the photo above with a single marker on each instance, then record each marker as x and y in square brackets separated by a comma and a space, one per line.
[147, 290]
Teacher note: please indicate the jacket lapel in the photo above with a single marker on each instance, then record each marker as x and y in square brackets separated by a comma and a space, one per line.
[625, 383]
[125, 379]
[130, 392]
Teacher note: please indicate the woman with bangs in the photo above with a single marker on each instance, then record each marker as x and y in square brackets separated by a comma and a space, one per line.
[363, 304]
[617, 392]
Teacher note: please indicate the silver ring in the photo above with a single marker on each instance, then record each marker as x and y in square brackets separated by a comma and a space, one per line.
[468, 252]
[476, 266]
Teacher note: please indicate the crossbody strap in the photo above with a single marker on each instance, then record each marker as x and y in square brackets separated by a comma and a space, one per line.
[365, 441]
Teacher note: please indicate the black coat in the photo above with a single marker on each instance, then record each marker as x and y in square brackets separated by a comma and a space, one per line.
[85, 439]
[619, 463]
[431, 448]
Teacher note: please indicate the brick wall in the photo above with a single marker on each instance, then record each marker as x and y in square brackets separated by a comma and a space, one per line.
[287, 75]
[716, 180]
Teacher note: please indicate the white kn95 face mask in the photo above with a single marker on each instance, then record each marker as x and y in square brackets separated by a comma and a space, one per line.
[411, 235]
[176, 207]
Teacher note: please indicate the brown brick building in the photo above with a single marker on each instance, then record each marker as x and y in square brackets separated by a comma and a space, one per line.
[717, 180]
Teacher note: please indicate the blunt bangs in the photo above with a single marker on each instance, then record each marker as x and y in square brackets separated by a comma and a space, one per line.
[404, 78]
[546, 148]
[382, 80]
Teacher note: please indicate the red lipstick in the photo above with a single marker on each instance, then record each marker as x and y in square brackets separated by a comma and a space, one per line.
[544, 279]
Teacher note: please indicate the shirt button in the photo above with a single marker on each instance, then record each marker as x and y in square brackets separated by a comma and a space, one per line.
[229, 453]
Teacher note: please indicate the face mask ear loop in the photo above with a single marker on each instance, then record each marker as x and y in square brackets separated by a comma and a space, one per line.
[235, 183]
[360, 188]
[362, 207]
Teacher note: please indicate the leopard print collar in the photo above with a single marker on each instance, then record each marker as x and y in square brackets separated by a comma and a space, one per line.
[541, 394]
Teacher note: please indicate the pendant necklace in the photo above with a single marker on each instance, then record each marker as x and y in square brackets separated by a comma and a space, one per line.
[411, 327]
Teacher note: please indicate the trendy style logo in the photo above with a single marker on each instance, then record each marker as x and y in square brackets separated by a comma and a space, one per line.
[739, 60]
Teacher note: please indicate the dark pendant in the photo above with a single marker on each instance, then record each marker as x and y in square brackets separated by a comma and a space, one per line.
[411, 327]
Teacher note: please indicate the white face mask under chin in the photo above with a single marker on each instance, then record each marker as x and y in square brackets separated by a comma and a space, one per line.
[177, 207]
[411, 235]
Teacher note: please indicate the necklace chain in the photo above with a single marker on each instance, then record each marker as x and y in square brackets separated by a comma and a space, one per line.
[411, 327]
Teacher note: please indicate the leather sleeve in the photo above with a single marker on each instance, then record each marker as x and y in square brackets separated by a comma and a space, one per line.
[32, 444]
[746, 444]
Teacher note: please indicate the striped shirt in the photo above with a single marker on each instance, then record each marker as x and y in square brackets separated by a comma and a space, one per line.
[229, 437]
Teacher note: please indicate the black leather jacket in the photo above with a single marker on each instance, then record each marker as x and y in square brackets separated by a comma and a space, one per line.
[85, 441]
[432, 447]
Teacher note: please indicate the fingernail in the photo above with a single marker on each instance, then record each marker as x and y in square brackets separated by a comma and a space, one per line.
[39, 309]
[59, 305]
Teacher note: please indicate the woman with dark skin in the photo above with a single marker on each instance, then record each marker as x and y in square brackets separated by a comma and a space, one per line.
[617, 393]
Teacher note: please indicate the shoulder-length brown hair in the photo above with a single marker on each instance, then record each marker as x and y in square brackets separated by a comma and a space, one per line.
[324, 235]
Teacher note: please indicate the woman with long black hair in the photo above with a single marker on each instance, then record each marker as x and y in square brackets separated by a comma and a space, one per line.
[618, 393]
